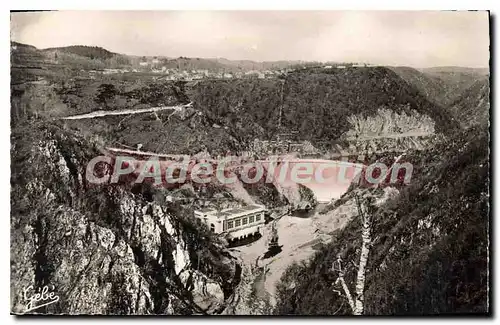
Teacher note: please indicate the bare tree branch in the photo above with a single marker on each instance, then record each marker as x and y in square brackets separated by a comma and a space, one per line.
[357, 303]
[343, 284]
[363, 258]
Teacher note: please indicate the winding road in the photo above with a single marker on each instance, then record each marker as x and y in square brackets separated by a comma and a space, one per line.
[95, 114]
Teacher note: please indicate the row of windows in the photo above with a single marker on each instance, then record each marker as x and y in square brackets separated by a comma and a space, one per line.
[241, 221]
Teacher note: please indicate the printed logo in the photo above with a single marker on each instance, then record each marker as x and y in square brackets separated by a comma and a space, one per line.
[39, 298]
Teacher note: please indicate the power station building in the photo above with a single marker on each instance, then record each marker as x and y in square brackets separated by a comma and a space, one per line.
[237, 223]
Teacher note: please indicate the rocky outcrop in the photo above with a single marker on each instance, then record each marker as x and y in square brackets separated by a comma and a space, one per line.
[104, 250]
[389, 122]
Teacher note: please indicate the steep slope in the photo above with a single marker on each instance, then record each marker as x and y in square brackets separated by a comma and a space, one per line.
[432, 87]
[442, 85]
[473, 106]
[455, 80]
[104, 249]
[429, 253]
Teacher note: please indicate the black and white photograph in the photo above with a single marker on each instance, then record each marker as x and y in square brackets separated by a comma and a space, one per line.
[250, 163]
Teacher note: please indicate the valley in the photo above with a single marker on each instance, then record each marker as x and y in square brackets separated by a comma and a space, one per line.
[136, 248]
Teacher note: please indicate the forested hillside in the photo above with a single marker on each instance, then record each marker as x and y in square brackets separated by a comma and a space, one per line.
[314, 102]
[472, 107]
[442, 85]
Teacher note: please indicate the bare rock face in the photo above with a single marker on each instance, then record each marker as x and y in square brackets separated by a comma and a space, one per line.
[104, 250]
[206, 292]
[390, 130]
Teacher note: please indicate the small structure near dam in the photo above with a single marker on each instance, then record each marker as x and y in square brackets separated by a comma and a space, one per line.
[236, 223]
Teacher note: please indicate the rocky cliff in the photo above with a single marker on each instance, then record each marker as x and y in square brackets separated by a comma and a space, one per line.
[104, 250]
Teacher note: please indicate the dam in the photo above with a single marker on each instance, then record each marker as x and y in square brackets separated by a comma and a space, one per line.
[327, 179]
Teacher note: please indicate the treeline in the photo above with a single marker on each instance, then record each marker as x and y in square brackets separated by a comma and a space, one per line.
[92, 52]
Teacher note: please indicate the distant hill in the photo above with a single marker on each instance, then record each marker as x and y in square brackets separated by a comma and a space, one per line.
[442, 85]
[63, 58]
[92, 52]
[456, 79]
[77, 54]
[26, 55]
[17, 45]
[457, 70]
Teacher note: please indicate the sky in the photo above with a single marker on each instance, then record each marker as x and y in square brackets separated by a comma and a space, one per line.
[411, 38]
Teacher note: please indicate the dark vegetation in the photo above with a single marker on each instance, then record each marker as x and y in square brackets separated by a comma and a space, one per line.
[463, 92]
[92, 52]
[84, 96]
[472, 107]
[431, 86]
[160, 132]
[442, 85]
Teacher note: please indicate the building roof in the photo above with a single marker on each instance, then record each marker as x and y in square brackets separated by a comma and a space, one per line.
[233, 212]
